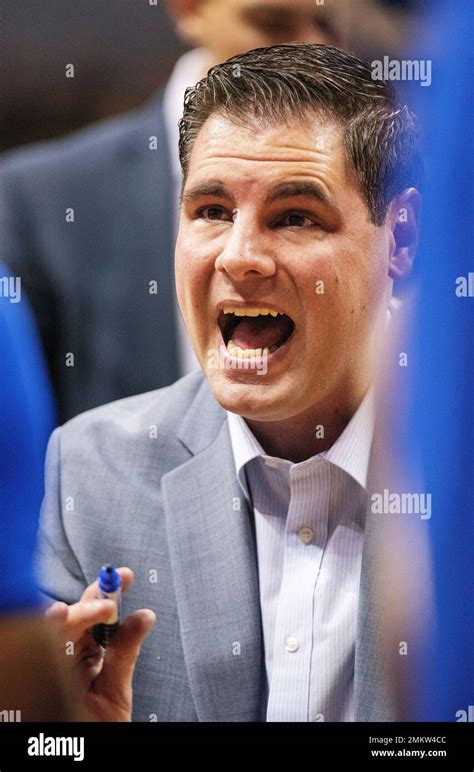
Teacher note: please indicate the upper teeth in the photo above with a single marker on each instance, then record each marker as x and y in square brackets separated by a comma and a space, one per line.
[251, 311]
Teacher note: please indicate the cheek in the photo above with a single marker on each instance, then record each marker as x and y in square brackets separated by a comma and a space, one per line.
[186, 274]
[374, 285]
[193, 270]
[190, 256]
[180, 260]
[320, 281]
[342, 286]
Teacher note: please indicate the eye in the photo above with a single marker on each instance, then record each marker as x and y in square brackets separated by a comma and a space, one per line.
[215, 213]
[296, 220]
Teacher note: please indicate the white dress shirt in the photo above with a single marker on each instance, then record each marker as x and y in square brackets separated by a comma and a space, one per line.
[309, 521]
[187, 71]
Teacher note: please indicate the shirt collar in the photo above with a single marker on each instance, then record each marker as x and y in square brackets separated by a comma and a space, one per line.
[187, 71]
[350, 452]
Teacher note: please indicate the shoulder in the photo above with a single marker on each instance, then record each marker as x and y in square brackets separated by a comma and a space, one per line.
[133, 429]
[100, 142]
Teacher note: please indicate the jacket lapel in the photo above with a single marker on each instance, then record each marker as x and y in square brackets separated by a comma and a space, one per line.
[212, 548]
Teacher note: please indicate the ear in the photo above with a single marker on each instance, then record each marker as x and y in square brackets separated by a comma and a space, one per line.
[404, 220]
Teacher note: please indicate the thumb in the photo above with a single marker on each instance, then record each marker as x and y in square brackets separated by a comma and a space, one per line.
[122, 653]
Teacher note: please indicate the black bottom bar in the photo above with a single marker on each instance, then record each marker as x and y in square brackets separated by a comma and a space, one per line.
[104, 746]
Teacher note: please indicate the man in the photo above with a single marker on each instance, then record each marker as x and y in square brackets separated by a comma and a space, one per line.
[89, 221]
[239, 496]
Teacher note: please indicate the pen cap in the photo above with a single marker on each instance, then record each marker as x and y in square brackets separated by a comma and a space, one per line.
[109, 579]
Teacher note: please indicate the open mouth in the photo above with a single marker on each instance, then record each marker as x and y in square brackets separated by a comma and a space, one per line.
[254, 332]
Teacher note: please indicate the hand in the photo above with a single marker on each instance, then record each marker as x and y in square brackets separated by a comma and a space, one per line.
[102, 678]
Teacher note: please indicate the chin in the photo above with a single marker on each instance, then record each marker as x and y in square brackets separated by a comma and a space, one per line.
[256, 400]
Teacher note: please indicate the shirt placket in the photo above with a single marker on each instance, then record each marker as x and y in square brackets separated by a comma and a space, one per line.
[305, 541]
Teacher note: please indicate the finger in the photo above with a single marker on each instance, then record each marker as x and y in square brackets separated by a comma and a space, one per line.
[92, 591]
[84, 615]
[123, 651]
[90, 612]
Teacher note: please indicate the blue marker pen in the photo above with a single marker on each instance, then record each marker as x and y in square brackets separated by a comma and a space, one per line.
[110, 588]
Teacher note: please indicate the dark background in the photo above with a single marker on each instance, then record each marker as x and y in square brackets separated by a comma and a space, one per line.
[122, 51]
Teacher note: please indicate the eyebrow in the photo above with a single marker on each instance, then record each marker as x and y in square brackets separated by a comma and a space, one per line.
[214, 189]
[303, 189]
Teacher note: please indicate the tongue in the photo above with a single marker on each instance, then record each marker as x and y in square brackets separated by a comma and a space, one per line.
[260, 332]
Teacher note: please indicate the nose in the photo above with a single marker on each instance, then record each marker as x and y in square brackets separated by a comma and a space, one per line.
[245, 256]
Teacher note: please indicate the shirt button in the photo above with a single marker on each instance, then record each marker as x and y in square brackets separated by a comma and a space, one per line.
[292, 644]
[306, 535]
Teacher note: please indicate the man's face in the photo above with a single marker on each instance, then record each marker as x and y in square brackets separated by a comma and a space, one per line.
[273, 219]
[229, 27]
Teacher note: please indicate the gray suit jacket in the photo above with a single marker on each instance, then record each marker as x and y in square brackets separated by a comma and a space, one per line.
[88, 280]
[149, 482]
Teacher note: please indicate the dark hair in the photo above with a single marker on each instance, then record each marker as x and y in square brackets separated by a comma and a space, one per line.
[281, 83]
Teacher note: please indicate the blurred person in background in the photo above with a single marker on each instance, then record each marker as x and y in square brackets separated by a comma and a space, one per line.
[90, 220]
[124, 52]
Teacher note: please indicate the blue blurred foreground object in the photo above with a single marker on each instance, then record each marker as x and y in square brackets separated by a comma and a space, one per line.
[442, 419]
[26, 420]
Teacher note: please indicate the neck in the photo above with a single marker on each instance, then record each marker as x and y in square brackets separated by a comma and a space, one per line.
[305, 435]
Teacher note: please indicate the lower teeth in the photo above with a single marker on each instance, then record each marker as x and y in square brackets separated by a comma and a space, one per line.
[247, 353]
